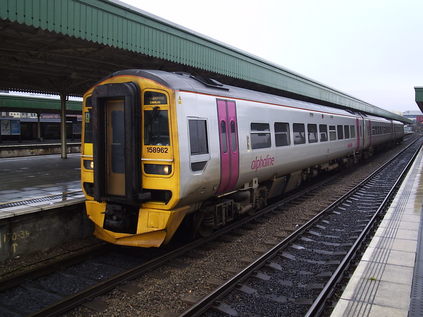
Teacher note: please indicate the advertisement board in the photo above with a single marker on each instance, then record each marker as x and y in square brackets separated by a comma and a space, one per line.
[15, 127]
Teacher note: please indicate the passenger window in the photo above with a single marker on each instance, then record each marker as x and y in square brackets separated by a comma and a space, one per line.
[347, 131]
[323, 129]
[282, 137]
[198, 137]
[299, 133]
[340, 129]
[223, 137]
[332, 133]
[312, 133]
[233, 137]
[352, 131]
[118, 141]
[260, 135]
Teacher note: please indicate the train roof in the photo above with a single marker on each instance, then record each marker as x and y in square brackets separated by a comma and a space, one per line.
[186, 82]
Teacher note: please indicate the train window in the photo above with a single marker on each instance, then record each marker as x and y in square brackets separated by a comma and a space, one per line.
[260, 135]
[352, 131]
[154, 98]
[88, 128]
[323, 129]
[198, 137]
[156, 127]
[312, 133]
[332, 132]
[223, 137]
[233, 137]
[118, 140]
[282, 137]
[299, 133]
[340, 130]
[347, 131]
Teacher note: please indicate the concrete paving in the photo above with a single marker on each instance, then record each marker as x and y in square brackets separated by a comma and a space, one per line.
[23, 178]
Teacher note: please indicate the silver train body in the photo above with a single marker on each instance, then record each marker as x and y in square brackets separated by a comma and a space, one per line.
[268, 147]
[208, 152]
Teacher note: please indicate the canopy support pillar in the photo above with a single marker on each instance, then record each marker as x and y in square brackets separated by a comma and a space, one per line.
[63, 99]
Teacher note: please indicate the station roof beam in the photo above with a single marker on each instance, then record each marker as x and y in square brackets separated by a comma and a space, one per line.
[34, 104]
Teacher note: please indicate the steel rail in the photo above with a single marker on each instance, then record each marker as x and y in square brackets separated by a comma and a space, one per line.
[80, 298]
[102, 287]
[204, 304]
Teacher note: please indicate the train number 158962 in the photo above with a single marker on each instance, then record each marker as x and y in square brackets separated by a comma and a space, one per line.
[156, 149]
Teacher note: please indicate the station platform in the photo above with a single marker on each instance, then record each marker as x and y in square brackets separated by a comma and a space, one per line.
[27, 183]
[389, 278]
[34, 148]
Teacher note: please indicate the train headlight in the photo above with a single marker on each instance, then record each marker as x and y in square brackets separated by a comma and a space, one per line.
[88, 164]
[157, 169]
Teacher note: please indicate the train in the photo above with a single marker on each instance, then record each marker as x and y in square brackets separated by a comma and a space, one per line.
[164, 150]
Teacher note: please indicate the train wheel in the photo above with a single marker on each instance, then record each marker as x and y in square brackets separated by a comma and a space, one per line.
[203, 223]
[261, 198]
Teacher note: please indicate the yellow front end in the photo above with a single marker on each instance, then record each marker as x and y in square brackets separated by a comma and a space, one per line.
[155, 226]
[157, 217]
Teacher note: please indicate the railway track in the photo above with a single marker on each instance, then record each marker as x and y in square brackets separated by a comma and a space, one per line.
[298, 276]
[55, 290]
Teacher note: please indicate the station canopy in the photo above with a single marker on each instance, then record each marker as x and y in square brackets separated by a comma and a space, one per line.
[13, 103]
[65, 47]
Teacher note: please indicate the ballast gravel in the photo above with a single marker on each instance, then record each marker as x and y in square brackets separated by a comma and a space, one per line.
[174, 287]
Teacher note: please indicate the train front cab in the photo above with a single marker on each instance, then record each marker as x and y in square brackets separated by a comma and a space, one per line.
[130, 173]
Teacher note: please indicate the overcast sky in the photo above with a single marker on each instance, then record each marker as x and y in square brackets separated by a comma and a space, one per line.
[370, 49]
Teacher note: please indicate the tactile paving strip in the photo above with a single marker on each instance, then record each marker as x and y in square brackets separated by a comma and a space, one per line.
[416, 304]
[62, 196]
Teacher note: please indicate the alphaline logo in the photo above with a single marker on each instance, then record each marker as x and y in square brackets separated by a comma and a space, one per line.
[262, 162]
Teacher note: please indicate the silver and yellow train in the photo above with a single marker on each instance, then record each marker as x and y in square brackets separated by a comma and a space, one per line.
[161, 147]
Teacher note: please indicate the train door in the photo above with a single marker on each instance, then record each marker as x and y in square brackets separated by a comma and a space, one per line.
[116, 143]
[365, 134]
[358, 134]
[229, 147]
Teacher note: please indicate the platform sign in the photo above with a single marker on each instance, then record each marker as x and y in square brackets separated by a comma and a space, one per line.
[5, 127]
[15, 127]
